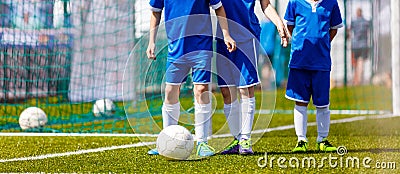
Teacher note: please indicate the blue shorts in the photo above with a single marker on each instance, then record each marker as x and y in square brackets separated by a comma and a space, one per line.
[238, 68]
[178, 70]
[302, 84]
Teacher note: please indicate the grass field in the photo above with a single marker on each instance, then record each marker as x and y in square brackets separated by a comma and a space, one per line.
[378, 139]
[371, 137]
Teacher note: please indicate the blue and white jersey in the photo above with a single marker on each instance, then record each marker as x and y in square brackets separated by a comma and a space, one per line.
[188, 25]
[311, 39]
[243, 22]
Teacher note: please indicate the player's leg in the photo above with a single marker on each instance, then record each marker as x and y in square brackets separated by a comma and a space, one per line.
[203, 109]
[358, 80]
[175, 74]
[357, 67]
[321, 101]
[171, 106]
[298, 90]
[232, 114]
[246, 62]
[202, 119]
[227, 72]
[248, 106]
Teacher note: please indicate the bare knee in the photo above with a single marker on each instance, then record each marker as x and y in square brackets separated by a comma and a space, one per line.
[301, 104]
[247, 92]
[172, 94]
[201, 94]
[229, 94]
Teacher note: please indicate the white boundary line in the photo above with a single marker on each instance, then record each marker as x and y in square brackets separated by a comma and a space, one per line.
[346, 112]
[279, 128]
[34, 134]
[102, 149]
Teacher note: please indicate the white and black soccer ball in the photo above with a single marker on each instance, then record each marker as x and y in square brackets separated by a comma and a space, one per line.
[32, 117]
[175, 142]
[103, 107]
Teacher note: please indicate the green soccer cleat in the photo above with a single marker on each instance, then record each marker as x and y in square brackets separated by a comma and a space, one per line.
[232, 148]
[153, 152]
[301, 147]
[325, 146]
[204, 150]
[245, 147]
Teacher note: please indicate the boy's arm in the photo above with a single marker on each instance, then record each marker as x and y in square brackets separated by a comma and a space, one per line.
[229, 42]
[271, 13]
[332, 33]
[154, 22]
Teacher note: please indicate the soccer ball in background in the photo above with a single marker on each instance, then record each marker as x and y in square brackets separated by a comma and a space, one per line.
[175, 142]
[32, 117]
[103, 107]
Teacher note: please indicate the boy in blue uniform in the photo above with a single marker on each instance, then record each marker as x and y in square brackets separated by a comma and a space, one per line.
[238, 70]
[189, 32]
[313, 24]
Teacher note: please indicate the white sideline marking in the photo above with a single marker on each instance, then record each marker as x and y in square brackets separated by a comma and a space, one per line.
[346, 112]
[77, 152]
[34, 134]
[279, 128]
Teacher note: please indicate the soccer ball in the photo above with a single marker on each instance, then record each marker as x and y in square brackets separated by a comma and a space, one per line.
[103, 107]
[32, 117]
[175, 142]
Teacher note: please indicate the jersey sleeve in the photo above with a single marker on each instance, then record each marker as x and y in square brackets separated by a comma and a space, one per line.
[336, 17]
[290, 15]
[156, 5]
[215, 4]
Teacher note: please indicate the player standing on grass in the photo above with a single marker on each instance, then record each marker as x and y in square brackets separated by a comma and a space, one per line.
[238, 70]
[313, 24]
[189, 32]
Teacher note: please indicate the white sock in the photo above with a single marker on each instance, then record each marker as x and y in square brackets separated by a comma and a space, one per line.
[248, 107]
[323, 123]
[170, 114]
[202, 118]
[300, 122]
[232, 114]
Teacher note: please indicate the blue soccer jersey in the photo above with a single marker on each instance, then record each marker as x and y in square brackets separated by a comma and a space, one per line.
[188, 26]
[311, 39]
[243, 22]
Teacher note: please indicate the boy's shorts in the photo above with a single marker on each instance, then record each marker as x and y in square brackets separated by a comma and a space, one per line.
[238, 68]
[302, 84]
[178, 70]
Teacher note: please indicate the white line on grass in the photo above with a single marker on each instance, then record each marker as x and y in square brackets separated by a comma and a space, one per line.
[34, 134]
[279, 128]
[102, 149]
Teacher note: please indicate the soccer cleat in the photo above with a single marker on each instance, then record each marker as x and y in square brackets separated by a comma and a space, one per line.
[325, 146]
[245, 147]
[153, 152]
[204, 150]
[232, 148]
[301, 147]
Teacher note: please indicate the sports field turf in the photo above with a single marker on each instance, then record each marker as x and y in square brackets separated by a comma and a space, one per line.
[364, 137]
[378, 139]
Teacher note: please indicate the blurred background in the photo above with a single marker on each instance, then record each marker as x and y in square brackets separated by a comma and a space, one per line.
[62, 55]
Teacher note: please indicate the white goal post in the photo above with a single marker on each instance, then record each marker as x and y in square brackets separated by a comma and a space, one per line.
[395, 22]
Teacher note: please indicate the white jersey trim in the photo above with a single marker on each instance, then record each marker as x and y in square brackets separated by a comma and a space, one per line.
[337, 26]
[297, 100]
[290, 23]
[153, 9]
[248, 86]
[216, 6]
